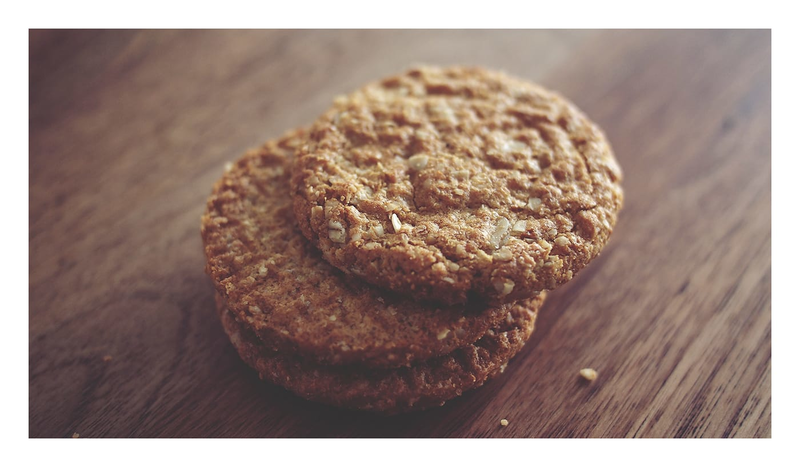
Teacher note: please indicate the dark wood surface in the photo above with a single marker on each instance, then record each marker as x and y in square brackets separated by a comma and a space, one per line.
[129, 130]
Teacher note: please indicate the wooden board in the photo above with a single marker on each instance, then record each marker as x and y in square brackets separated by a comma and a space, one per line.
[129, 129]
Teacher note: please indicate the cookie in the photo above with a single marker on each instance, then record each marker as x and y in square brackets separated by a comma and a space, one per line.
[389, 391]
[277, 283]
[456, 185]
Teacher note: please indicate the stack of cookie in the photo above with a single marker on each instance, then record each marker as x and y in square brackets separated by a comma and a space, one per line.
[395, 254]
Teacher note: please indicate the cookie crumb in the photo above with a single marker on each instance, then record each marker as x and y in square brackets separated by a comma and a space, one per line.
[589, 374]
[75, 435]
[504, 422]
[107, 358]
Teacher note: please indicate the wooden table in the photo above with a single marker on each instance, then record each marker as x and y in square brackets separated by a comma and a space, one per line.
[128, 131]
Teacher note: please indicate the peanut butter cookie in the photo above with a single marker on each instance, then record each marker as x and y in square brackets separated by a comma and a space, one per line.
[457, 185]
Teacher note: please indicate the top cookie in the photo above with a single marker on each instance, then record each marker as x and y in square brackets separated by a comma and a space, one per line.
[457, 184]
[277, 284]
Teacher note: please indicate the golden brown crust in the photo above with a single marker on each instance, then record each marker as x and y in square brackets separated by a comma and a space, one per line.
[389, 391]
[457, 183]
[277, 283]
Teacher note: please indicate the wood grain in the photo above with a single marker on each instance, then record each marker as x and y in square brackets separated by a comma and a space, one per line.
[129, 129]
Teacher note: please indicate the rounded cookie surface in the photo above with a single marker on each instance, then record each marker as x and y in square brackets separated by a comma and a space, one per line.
[425, 384]
[457, 184]
[276, 282]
